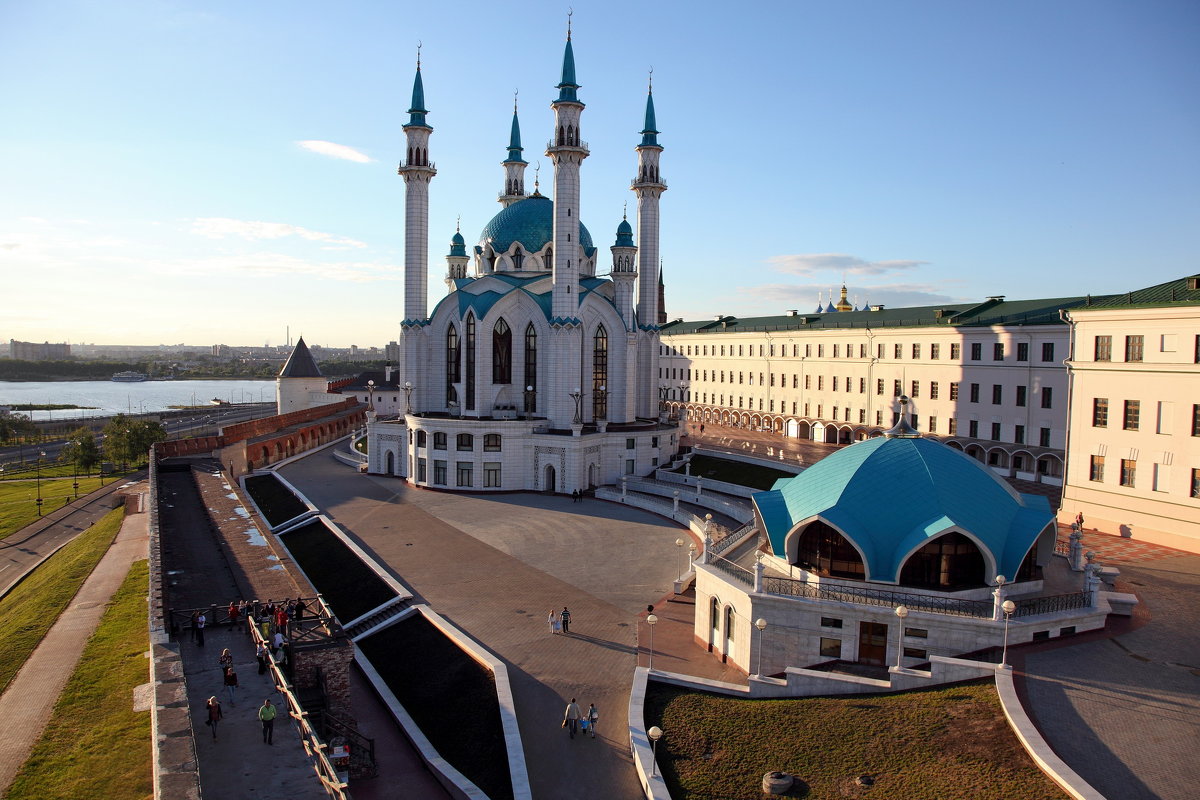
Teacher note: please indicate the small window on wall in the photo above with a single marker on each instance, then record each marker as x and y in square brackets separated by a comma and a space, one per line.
[831, 622]
[1041, 636]
[914, 652]
[831, 648]
[916, 633]
[465, 441]
[630, 444]
[439, 440]
[491, 442]
[421, 438]
[629, 466]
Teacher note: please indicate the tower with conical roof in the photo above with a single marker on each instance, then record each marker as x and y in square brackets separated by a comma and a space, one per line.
[514, 165]
[648, 186]
[300, 384]
[457, 259]
[843, 304]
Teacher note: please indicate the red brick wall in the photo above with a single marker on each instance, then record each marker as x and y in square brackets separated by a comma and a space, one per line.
[334, 658]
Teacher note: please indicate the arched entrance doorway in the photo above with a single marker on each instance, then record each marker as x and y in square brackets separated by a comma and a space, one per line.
[549, 484]
[591, 476]
[390, 469]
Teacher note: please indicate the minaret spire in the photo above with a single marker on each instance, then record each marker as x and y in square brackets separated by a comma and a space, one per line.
[514, 165]
[417, 172]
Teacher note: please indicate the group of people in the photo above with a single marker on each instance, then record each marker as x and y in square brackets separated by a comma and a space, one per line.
[229, 678]
[577, 496]
[574, 719]
[559, 623]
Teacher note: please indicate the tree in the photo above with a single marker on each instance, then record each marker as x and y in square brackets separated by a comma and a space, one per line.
[81, 450]
[128, 440]
[14, 425]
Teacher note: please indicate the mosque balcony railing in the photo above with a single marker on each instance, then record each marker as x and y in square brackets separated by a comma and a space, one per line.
[739, 574]
[576, 145]
[652, 181]
[1036, 606]
[879, 597]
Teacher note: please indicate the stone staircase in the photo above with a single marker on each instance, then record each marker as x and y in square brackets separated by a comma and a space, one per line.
[377, 617]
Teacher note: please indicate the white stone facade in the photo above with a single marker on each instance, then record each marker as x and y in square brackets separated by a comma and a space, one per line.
[1133, 467]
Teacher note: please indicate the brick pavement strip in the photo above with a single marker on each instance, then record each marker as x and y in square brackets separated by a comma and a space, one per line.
[28, 701]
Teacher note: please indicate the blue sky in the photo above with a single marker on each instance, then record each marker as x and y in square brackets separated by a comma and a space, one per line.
[154, 187]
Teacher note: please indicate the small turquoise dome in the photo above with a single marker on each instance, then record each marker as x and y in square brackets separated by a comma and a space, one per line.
[890, 496]
[624, 235]
[530, 222]
[458, 245]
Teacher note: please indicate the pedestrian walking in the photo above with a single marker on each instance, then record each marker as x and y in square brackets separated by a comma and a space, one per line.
[201, 621]
[276, 643]
[299, 609]
[565, 616]
[242, 610]
[231, 685]
[232, 613]
[226, 659]
[1079, 520]
[571, 717]
[213, 709]
[553, 621]
[261, 655]
[592, 716]
[195, 617]
[264, 625]
[266, 715]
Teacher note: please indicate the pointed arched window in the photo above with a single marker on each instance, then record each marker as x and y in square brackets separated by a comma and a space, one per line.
[452, 363]
[600, 373]
[501, 353]
[530, 369]
[469, 365]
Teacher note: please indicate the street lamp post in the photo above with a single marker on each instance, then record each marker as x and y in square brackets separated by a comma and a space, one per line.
[41, 455]
[371, 395]
[602, 402]
[679, 544]
[761, 624]
[662, 399]
[75, 468]
[655, 733]
[408, 387]
[901, 613]
[529, 393]
[1009, 607]
[651, 621]
[577, 396]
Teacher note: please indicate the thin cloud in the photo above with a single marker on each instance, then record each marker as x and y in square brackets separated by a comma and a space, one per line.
[774, 298]
[220, 227]
[334, 150]
[813, 263]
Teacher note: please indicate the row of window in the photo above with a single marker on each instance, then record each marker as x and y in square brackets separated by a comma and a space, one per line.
[718, 376]
[464, 473]
[463, 441]
[1131, 420]
[836, 350]
[1135, 347]
[1160, 475]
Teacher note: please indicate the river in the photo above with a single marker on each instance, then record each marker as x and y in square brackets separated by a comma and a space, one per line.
[104, 398]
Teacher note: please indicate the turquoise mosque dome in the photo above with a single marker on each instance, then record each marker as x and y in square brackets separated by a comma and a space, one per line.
[904, 509]
[530, 222]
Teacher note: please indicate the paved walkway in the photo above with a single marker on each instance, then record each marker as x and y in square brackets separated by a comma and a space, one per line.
[495, 565]
[1124, 712]
[28, 701]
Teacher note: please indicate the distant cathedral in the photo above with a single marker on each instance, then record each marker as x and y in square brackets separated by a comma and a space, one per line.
[534, 372]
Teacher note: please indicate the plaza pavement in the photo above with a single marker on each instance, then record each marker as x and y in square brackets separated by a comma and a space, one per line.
[495, 565]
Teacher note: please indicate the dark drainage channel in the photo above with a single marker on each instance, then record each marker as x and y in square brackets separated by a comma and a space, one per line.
[276, 502]
[350, 587]
[450, 696]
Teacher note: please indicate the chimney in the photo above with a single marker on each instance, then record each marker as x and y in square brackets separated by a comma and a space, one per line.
[791, 312]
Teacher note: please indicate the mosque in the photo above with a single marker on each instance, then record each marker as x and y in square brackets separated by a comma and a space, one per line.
[536, 370]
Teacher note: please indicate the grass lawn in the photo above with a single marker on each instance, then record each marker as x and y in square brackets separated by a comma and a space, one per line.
[349, 586]
[96, 746]
[17, 499]
[51, 469]
[33, 605]
[274, 500]
[720, 469]
[450, 697]
[941, 744]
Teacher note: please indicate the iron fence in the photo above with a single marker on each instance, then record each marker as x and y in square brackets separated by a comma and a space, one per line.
[740, 574]
[879, 597]
[1035, 606]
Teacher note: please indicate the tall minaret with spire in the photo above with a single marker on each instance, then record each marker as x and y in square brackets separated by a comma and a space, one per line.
[514, 165]
[567, 151]
[648, 186]
[417, 172]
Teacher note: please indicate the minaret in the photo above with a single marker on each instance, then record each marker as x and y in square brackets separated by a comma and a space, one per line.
[567, 151]
[456, 259]
[662, 296]
[624, 273]
[648, 186]
[514, 165]
[417, 172]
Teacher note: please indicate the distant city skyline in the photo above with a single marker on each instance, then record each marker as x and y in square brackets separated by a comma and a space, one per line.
[217, 174]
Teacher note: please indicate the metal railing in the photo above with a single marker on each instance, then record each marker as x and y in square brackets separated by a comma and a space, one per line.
[1035, 606]
[729, 541]
[879, 597]
[1062, 547]
[740, 574]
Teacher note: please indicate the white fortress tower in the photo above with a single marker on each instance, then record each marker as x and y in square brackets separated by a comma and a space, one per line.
[648, 186]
